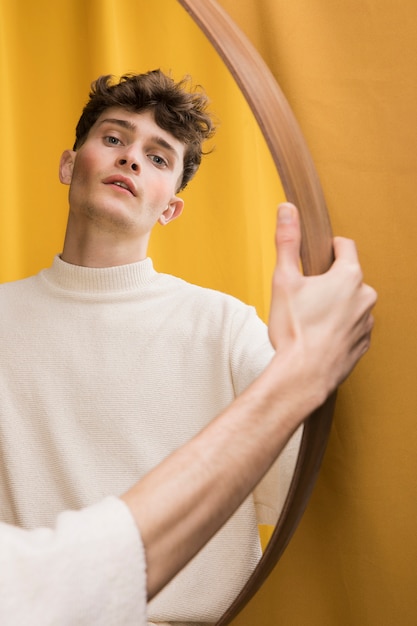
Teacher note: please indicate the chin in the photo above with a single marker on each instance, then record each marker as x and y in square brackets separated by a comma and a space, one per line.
[110, 219]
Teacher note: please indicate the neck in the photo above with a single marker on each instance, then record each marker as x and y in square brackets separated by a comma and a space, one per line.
[90, 246]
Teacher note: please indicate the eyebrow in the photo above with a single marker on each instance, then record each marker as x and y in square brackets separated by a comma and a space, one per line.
[160, 141]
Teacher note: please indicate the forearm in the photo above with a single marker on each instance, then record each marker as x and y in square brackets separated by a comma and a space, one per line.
[189, 496]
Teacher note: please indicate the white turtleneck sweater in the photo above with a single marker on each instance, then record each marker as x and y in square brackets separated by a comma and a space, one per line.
[103, 373]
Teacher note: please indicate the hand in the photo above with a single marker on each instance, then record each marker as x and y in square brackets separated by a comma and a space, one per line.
[327, 317]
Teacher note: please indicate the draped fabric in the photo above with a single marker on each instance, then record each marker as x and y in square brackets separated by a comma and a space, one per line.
[348, 71]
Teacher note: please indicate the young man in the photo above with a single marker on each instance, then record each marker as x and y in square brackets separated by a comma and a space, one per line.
[108, 366]
[91, 569]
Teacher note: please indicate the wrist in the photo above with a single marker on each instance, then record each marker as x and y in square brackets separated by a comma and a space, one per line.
[293, 385]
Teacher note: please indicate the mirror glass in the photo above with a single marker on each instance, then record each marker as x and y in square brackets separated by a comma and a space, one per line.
[224, 239]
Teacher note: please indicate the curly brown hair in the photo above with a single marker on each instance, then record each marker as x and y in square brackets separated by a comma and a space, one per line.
[179, 108]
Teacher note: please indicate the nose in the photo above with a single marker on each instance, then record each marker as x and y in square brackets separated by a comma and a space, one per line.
[130, 162]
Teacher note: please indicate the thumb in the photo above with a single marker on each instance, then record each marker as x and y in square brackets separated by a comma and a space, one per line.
[288, 240]
[286, 274]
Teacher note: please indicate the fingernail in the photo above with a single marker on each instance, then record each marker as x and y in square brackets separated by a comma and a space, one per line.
[285, 214]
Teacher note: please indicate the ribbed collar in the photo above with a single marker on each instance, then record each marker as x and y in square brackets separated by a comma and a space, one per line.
[121, 278]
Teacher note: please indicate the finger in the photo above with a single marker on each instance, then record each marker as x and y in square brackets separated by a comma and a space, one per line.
[345, 249]
[365, 323]
[364, 342]
[288, 239]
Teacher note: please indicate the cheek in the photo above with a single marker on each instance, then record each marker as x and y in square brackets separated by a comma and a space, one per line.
[83, 169]
[84, 162]
[161, 189]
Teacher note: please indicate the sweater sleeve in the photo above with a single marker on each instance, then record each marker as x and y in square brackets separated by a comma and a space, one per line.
[89, 570]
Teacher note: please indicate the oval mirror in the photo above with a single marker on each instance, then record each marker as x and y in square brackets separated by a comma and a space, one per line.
[224, 240]
[302, 187]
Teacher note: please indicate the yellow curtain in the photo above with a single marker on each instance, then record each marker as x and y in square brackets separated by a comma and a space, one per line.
[348, 70]
[51, 51]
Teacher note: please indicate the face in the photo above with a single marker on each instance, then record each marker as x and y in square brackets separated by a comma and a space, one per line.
[125, 175]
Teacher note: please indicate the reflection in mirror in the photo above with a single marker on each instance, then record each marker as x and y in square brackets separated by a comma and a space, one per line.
[224, 240]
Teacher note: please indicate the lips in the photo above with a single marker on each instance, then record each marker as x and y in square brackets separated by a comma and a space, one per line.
[121, 181]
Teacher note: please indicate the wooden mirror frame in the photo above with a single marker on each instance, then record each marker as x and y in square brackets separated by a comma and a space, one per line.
[302, 187]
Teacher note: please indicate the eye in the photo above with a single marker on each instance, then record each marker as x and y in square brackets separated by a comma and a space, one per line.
[158, 160]
[113, 141]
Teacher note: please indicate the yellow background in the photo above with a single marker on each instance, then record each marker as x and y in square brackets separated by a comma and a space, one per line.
[348, 70]
[51, 51]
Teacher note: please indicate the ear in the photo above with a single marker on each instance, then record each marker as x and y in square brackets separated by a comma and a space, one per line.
[173, 210]
[66, 165]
